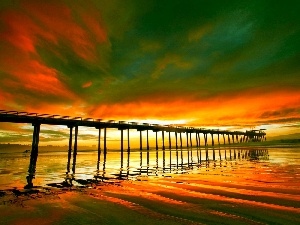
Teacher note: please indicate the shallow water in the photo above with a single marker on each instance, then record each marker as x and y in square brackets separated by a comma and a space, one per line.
[248, 186]
[255, 164]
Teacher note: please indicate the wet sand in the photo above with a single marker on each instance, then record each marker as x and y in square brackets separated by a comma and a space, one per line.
[208, 198]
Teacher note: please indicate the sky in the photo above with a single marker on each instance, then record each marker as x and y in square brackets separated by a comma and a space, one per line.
[215, 64]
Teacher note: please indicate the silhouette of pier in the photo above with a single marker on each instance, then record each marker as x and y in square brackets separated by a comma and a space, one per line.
[166, 130]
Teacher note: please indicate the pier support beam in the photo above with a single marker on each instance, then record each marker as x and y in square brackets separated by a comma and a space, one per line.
[104, 141]
[75, 149]
[122, 151]
[99, 147]
[187, 139]
[70, 148]
[170, 144]
[156, 141]
[212, 139]
[141, 146]
[128, 141]
[228, 138]
[147, 140]
[197, 143]
[176, 140]
[147, 153]
[163, 139]
[122, 148]
[128, 152]
[33, 155]
[104, 156]
[205, 139]
[180, 136]
[191, 145]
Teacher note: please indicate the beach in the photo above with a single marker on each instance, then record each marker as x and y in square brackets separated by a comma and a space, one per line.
[149, 112]
[238, 191]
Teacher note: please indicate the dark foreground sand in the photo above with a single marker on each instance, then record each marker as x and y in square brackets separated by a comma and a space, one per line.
[181, 199]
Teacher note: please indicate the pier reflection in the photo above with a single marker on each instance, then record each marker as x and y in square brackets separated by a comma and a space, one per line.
[142, 164]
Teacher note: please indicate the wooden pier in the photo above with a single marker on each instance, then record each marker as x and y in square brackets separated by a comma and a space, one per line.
[74, 122]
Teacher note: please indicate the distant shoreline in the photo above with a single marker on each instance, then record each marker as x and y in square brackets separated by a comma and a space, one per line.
[284, 143]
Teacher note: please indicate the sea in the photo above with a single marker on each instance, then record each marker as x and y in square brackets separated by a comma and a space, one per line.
[273, 164]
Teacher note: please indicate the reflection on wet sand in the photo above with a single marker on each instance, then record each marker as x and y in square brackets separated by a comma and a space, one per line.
[151, 163]
[178, 186]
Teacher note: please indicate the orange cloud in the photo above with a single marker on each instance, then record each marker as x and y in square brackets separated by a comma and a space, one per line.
[5, 99]
[87, 84]
[33, 75]
[22, 32]
[60, 20]
[39, 25]
[244, 108]
[92, 20]
[74, 108]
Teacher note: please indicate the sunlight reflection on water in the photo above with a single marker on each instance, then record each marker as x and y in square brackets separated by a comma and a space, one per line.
[275, 165]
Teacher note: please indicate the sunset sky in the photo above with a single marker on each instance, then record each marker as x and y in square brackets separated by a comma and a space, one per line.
[215, 64]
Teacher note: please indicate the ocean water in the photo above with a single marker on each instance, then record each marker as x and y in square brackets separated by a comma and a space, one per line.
[276, 165]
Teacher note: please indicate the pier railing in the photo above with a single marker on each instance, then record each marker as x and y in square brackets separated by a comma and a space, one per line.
[53, 119]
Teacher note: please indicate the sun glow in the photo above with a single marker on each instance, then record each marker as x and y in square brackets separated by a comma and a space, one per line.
[164, 122]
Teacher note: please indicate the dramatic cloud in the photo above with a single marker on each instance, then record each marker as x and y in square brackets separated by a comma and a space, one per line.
[206, 63]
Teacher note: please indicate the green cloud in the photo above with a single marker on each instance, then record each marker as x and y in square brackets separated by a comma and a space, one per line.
[168, 50]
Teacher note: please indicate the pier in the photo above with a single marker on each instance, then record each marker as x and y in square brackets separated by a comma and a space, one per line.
[166, 132]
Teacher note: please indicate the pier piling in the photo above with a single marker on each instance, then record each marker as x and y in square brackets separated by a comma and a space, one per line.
[141, 144]
[104, 141]
[156, 141]
[170, 144]
[180, 137]
[70, 148]
[128, 141]
[122, 148]
[147, 139]
[176, 140]
[99, 147]
[163, 139]
[187, 140]
[75, 149]
[33, 155]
